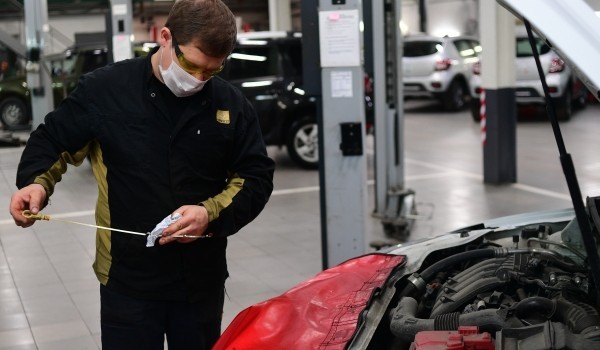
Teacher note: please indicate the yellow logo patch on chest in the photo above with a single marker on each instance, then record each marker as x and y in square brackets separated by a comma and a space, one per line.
[223, 117]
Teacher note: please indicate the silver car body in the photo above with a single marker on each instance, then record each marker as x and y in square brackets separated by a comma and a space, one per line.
[565, 89]
[435, 67]
[527, 83]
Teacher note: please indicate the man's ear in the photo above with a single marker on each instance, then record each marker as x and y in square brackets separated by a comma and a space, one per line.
[164, 36]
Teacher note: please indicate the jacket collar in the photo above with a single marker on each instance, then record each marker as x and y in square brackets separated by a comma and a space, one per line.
[149, 71]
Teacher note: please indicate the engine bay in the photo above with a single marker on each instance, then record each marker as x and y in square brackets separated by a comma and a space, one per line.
[524, 287]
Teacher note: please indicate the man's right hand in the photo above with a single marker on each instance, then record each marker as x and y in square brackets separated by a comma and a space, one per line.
[31, 197]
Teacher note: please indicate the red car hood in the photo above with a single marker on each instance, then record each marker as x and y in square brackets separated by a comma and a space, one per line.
[320, 313]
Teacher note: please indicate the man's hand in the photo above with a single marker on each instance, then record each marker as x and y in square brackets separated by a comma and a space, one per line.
[31, 198]
[193, 222]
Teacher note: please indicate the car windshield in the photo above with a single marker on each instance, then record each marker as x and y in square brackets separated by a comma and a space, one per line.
[421, 48]
[63, 66]
[524, 49]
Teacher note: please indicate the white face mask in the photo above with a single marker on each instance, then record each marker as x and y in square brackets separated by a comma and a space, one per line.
[180, 82]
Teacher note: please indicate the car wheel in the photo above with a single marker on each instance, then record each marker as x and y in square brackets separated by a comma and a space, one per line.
[13, 113]
[580, 101]
[476, 109]
[454, 98]
[564, 106]
[303, 143]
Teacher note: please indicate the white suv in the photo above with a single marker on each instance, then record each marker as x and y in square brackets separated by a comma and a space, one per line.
[441, 68]
[565, 89]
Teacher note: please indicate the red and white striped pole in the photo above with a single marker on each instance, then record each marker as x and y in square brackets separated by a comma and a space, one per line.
[482, 115]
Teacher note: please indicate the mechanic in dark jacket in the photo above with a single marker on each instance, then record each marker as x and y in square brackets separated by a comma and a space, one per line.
[165, 135]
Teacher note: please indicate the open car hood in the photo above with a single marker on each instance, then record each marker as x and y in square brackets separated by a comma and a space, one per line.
[573, 30]
[558, 22]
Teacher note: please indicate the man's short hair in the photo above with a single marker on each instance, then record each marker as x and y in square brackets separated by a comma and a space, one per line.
[209, 24]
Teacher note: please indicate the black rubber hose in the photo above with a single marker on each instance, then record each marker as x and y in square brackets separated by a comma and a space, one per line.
[405, 325]
[443, 264]
[412, 290]
[560, 310]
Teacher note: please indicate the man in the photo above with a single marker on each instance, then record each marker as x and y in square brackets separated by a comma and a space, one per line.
[165, 135]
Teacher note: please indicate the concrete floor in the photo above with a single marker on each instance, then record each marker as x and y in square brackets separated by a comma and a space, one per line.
[49, 296]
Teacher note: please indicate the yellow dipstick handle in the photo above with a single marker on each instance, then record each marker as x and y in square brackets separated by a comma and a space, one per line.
[39, 216]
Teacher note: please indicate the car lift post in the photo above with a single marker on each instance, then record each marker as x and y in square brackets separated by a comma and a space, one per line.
[395, 204]
[38, 77]
[120, 29]
[342, 158]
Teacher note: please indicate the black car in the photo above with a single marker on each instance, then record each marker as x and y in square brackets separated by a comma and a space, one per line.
[267, 67]
[64, 68]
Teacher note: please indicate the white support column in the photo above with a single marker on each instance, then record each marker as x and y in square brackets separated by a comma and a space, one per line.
[280, 15]
[498, 40]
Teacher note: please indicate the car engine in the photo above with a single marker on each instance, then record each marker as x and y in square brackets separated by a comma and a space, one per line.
[521, 288]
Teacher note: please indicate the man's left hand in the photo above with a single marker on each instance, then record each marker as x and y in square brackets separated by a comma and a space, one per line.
[193, 222]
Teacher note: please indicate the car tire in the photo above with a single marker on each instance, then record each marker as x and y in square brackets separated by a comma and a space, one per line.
[581, 100]
[564, 105]
[454, 98]
[303, 143]
[13, 113]
[476, 109]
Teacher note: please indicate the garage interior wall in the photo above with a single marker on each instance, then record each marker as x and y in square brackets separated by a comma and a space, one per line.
[444, 17]
[63, 27]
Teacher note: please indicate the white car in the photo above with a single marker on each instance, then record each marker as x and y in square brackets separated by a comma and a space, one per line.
[434, 67]
[566, 91]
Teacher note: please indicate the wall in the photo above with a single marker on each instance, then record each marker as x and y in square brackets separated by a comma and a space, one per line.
[63, 28]
[444, 17]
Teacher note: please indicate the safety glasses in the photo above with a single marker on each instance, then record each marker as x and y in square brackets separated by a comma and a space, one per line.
[190, 67]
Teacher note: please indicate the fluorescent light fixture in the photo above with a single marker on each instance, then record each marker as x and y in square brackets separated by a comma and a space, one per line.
[245, 57]
[253, 42]
[257, 83]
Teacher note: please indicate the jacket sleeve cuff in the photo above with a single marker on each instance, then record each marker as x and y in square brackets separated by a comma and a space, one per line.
[210, 208]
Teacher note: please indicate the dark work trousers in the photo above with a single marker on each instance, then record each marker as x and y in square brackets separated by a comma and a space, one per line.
[130, 323]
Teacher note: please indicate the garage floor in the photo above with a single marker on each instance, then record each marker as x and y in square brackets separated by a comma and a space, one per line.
[49, 297]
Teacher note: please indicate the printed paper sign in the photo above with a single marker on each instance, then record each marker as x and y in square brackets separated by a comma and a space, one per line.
[339, 38]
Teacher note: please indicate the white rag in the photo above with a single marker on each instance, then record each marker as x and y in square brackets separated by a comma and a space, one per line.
[158, 230]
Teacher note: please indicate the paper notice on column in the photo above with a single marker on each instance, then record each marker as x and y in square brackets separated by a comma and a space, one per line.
[121, 47]
[341, 84]
[339, 38]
